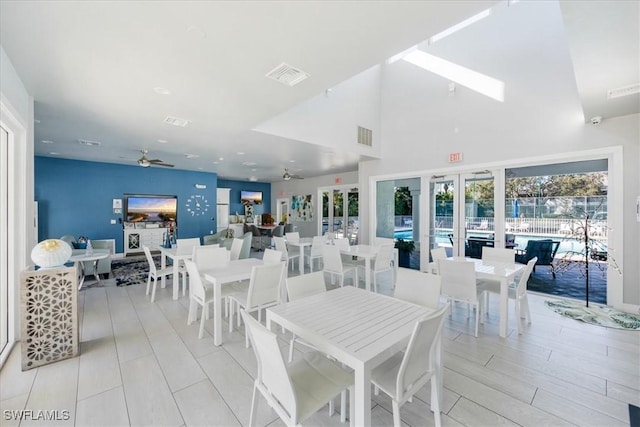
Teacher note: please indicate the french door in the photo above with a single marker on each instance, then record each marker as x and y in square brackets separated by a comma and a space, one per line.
[340, 212]
[461, 212]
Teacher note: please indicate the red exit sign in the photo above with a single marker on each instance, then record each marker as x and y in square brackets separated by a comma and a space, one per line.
[455, 157]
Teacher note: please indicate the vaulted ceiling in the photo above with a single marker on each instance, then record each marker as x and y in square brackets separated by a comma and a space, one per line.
[100, 72]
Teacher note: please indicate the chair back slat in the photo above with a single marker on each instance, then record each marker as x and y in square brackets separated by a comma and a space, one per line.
[272, 370]
[294, 236]
[281, 246]
[209, 256]
[196, 288]
[521, 288]
[236, 247]
[417, 287]
[264, 285]
[383, 258]
[271, 257]
[152, 264]
[305, 285]
[458, 279]
[185, 246]
[418, 360]
[331, 259]
[316, 245]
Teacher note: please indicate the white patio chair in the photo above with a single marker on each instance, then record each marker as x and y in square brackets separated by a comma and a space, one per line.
[316, 250]
[298, 390]
[332, 264]
[459, 284]
[382, 263]
[263, 292]
[156, 273]
[436, 255]
[404, 374]
[418, 287]
[212, 256]
[185, 247]
[236, 247]
[518, 294]
[197, 296]
[281, 246]
[293, 236]
[502, 255]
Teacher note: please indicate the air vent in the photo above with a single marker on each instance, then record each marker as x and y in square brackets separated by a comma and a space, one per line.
[365, 136]
[623, 91]
[287, 75]
[89, 143]
[175, 121]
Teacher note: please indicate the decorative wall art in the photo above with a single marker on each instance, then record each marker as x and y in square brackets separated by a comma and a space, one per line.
[301, 208]
[248, 213]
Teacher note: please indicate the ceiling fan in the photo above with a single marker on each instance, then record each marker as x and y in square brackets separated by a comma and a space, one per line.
[287, 176]
[145, 162]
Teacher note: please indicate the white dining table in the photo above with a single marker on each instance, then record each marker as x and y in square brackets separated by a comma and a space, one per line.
[358, 328]
[300, 244]
[234, 271]
[176, 257]
[505, 273]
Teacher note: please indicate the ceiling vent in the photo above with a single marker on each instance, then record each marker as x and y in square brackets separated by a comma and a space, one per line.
[89, 143]
[287, 75]
[623, 91]
[175, 121]
[365, 136]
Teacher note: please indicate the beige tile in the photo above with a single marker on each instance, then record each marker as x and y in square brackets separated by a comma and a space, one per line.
[573, 412]
[131, 340]
[201, 405]
[623, 393]
[15, 382]
[99, 367]
[11, 408]
[149, 400]
[471, 414]
[105, 409]
[179, 366]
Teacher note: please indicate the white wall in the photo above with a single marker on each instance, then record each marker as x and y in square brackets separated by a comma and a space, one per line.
[17, 115]
[286, 189]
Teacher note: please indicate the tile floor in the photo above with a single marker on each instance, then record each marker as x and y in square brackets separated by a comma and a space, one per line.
[140, 364]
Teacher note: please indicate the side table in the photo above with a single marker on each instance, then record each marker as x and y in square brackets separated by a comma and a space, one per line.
[94, 257]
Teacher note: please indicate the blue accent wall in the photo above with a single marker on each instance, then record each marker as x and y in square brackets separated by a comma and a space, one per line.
[75, 197]
[234, 195]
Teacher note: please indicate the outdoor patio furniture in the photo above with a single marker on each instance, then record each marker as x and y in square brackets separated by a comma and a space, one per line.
[545, 250]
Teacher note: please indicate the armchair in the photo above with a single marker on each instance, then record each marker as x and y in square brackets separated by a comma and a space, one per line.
[212, 239]
[545, 250]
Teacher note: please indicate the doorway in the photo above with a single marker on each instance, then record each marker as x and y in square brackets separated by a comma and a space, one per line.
[340, 212]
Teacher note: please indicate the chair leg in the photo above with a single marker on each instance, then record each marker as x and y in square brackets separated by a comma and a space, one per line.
[192, 310]
[246, 335]
[435, 400]
[231, 305]
[153, 292]
[343, 406]
[396, 413]
[202, 319]
[291, 344]
[148, 283]
[254, 404]
[527, 312]
[477, 318]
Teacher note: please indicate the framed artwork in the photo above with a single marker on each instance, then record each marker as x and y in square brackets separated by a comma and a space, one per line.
[301, 208]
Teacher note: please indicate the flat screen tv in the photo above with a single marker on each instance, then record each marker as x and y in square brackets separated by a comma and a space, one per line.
[150, 208]
[251, 197]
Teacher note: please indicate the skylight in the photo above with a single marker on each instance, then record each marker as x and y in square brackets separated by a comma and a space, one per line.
[488, 86]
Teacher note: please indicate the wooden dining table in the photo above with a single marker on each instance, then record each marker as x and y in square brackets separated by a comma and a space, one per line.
[360, 329]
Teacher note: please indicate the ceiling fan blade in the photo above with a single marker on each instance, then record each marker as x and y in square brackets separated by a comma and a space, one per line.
[163, 164]
[156, 161]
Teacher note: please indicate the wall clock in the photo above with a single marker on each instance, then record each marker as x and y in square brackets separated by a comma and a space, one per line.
[197, 205]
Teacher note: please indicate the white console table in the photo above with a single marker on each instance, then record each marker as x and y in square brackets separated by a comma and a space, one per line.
[135, 238]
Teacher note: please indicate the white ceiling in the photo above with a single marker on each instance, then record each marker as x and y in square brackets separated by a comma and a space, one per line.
[92, 68]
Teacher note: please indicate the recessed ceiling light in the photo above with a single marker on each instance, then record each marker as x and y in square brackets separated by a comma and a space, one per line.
[215, 162]
[176, 121]
[191, 156]
[253, 179]
[240, 153]
[253, 170]
[89, 143]
[221, 158]
[54, 153]
[47, 141]
[162, 141]
[197, 31]
[292, 161]
[161, 90]
[36, 121]
[248, 163]
[200, 169]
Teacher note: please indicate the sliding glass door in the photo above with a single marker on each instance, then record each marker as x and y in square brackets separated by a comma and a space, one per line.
[340, 212]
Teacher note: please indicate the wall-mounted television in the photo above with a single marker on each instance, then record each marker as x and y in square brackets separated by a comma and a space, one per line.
[150, 208]
[251, 197]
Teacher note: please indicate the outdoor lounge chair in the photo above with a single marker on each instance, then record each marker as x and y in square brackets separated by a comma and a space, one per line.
[545, 250]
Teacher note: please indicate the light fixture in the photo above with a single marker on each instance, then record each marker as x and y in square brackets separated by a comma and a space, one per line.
[51, 253]
[161, 91]
[162, 141]
[47, 141]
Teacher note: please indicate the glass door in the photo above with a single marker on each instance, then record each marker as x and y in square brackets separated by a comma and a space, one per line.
[4, 261]
[478, 213]
[443, 215]
[340, 213]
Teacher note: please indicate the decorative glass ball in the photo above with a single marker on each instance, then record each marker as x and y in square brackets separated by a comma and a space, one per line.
[51, 253]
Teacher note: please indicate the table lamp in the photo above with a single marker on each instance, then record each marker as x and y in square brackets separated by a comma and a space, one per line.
[51, 253]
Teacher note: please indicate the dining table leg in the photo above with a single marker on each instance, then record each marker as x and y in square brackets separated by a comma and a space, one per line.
[367, 274]
[163, 265]
[217, 314]
[362, 397]
[175, 278]
[301, 260]
[504, 305]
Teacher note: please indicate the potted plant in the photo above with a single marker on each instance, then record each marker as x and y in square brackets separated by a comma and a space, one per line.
[405, 248]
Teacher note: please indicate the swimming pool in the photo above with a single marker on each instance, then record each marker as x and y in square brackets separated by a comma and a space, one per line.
[405, 234]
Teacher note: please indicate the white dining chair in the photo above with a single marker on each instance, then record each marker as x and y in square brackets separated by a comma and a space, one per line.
[417, 287]
[185, 247]
[295, 391]
[293, 236]
[156, 273]
[281, 246]
[315, 253]
[436, 255]
[197, 296]
[271, 256]
[405, 373]
[264, 291]
[382, 263]
[332, 264]
[517, 293]
[458, 278]
[212, 256]
[347, 260]
[502, 255]
[236, 247]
